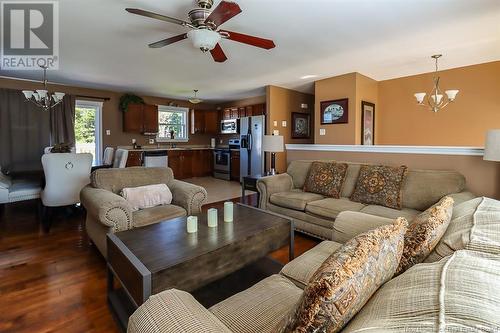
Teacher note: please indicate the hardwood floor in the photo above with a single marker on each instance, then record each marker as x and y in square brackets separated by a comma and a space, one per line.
[56, 282]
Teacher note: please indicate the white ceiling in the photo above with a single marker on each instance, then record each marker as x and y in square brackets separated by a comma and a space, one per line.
[102, 46]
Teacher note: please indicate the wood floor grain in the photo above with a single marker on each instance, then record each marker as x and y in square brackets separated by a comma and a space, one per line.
[56, 282]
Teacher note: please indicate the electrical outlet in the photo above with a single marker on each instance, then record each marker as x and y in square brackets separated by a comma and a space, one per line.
[275, 123]
[108, 132]
[151, 141]
[276, 132]
[304, 106]
[322, 131]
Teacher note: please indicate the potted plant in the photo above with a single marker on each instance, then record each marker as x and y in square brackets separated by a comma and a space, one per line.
[128, 98]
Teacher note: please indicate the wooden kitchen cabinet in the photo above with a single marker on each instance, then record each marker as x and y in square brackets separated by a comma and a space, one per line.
[134, 159]
[211, 122]
[242, 112]
[259, 109]
[202, 162]
[141, 118]
[204, 121]
[234, 113]
[235, 165]
[181, 163]
[249, 111]
[226, 114]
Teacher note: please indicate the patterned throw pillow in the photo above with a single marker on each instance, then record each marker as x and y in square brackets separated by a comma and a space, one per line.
[424, 233]
[380, 185]
[347, 279]
[326, 178]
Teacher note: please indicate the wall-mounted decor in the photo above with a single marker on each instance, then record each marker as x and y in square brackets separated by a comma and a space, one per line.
[301, 125]
[367, 123]
[335, 112]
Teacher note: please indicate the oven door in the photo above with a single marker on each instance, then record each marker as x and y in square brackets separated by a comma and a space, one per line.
[222, 160]
[229, 126]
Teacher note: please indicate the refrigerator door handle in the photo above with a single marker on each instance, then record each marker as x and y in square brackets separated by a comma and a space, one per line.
[250, 142]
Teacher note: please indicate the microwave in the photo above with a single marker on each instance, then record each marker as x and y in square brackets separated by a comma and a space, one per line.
[229, 126]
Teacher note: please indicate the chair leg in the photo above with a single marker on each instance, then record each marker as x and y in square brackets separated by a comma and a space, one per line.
[47, 213]
[2, 208]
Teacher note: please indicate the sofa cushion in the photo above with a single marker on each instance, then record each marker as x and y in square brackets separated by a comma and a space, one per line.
[301, 269]
[305, 222]
[423, 188]
[326, 178]
[294, 199]
[115, 179]
[390, 213]
[460, 293]
[347, 279]
[349, 224]
[259, 308]
[298, 170]
[380, 185]
[329, 208]
[475, 225]
[156, 214]
[424, 232]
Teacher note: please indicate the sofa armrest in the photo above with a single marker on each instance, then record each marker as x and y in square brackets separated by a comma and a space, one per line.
[460, 197]
[189, 196]
[108, 208]
[349, 224]
[174, 311]
[273, 184]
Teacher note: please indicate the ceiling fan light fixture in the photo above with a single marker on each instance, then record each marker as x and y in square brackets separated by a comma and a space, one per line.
[204, 39]
[194, 99]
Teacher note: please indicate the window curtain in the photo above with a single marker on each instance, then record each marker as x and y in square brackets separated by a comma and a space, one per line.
[25, 130]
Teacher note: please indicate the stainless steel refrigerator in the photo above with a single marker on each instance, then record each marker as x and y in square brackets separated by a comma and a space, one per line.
[252, 130]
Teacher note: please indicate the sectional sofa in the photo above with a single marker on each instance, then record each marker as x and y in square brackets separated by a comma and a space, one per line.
[316, 214]
[456, 289]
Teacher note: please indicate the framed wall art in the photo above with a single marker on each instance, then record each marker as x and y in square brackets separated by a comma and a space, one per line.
[367, 123]
[335, 112]
[301, 125]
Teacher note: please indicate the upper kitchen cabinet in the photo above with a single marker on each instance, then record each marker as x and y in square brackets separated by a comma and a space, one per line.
[204, 121]
[245, 111]
[258, 109]
[141, 118]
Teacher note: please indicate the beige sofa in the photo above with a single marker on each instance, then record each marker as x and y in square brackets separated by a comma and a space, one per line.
[457, 291]
[316, 215]
[108, 212]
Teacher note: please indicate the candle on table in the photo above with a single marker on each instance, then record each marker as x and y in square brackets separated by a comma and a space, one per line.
[212, 217]
[228, 211]
[192, 224]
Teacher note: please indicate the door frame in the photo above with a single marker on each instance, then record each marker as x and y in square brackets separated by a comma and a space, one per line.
[97, 125]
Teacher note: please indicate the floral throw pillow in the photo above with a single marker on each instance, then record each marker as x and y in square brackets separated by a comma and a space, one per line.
[424, 233]
[347, 279]
[380, 185]
[326, 178]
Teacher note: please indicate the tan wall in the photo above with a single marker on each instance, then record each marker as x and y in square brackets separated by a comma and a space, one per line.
[244, 102]
[111, 115]
[366, 90]
[463, 123]
[281, 102]
[483, 178]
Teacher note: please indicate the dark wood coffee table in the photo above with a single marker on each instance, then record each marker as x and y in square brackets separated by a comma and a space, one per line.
[161, 256]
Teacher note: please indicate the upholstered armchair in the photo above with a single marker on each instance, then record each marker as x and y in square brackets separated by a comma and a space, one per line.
[108, 212]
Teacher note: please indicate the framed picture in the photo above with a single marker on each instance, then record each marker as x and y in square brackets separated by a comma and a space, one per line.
[335, 112]
[301, 125]
[367, 123]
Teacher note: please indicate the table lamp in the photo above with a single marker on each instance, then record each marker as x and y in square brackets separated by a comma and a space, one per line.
[273, 144]
[492, 145]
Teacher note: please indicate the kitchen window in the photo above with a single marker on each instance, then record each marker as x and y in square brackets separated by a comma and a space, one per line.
[172, 120]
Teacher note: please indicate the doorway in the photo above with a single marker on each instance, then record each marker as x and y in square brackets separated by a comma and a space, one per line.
[88, 139]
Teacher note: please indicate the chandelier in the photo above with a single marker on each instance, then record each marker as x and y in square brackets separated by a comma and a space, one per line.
[195, 99]
[436, 100]
[42, 97]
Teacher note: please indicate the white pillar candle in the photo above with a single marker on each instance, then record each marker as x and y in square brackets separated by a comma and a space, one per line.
[228, 211]
[212, 217]
[192, 224]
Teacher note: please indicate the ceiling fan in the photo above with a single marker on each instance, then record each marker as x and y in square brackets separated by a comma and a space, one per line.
[204, 25]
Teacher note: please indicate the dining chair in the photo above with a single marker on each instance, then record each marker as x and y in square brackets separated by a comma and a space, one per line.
[46, 150]
[120, 160]
[107, 158]
[65, 175]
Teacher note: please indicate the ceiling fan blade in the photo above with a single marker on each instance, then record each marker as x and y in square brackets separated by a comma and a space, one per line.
[247, 39]
[157, 16]
[167, 41]
[218, 53]
[223, 12]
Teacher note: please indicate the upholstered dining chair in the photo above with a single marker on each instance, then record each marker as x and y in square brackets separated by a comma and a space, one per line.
[65, 175]
[46, 150]
[107, 158]
[120, 160]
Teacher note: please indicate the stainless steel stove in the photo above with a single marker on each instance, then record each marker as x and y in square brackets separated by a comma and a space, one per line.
[222, 159]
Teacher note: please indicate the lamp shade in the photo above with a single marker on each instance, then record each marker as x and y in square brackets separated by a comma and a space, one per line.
[273, 143]
[492, 146]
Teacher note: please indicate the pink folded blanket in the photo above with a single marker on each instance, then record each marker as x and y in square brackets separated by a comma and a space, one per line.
[147, 196]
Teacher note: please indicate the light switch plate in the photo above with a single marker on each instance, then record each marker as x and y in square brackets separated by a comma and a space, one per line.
[283, 123]
[276, 132]
[151, 141]
[322, 131]
[108, 132]
[275, 123]
[304, 106]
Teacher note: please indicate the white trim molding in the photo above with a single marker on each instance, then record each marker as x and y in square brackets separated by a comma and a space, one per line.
[431, 150]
